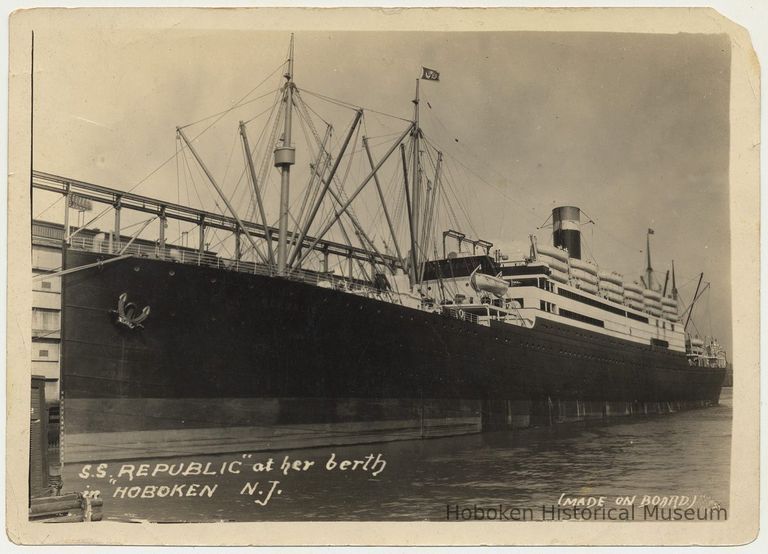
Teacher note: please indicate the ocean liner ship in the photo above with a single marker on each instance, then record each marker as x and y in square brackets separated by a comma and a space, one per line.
[170, 350]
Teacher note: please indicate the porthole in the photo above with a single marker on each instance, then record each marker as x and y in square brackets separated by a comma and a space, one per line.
[171, 273]
[136, 268]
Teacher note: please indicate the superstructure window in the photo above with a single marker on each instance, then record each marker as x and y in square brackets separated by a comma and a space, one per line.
[546, 284]
[591, 302]
[523, 282]
[581, 317]
[547, 306]
[636, 317]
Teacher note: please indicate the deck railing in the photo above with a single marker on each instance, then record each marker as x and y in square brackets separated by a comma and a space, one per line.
[211, 259]
[189, 256]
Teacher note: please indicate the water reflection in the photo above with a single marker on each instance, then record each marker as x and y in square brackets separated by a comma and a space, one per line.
[686, 453]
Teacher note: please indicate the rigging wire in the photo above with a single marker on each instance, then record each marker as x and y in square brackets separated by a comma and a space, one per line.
[59, 199]
[240, 103]
[176, 142]
[228, 110]
[164, 163]
[273, 112]
[352, 106]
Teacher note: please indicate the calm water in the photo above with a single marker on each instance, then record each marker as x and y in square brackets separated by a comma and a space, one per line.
[681, 454]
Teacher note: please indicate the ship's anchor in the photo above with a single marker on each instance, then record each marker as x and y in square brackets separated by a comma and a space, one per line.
[127, 313]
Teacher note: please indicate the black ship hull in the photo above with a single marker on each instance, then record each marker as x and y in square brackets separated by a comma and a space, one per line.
[253, 355]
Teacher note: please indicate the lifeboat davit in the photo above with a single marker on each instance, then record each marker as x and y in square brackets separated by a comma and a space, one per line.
[488, 283]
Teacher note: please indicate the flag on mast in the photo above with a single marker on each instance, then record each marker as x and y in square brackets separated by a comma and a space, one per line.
[650, 231]
[429, 74]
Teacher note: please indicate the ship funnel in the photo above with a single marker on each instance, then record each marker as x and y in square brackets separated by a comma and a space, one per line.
[566, 230]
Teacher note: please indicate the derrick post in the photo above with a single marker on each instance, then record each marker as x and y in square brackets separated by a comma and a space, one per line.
[201, 239]
[66, 215]
[237, 245]
[163, 225]
[116, 230]
[285, 157]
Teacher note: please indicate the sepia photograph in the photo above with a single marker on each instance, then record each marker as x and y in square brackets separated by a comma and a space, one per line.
[338, 274]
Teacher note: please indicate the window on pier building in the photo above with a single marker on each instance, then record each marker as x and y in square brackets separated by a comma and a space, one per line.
[45, 319]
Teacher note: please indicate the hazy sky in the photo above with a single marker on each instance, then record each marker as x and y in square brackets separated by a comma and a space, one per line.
[634, 129]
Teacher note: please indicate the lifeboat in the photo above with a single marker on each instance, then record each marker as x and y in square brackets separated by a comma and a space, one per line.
[584, 266]
[670, 302]
[611, 287]
[559, 276]
[586, 287]
[633, 297]
[554, 263]
[610, 277]
[669, 309]
[614, 297]
[488, 283]
[634, 287]
[652, 295]
[584, 276]
[652, 304]
[552, 252]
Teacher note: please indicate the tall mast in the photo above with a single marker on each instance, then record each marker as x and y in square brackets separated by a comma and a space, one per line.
[695, 297]
[416, 179]
[412, 232]
[648, 269]
[674, 283]
[285, 157]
